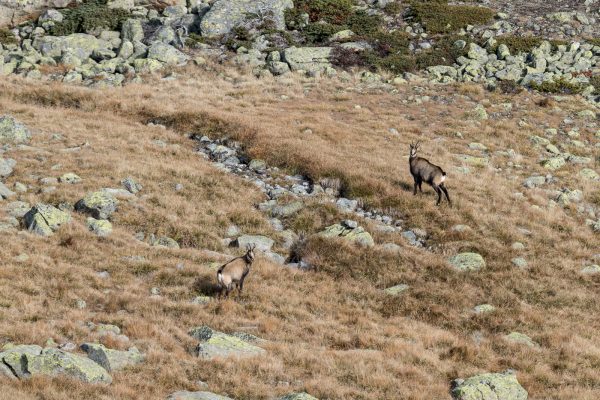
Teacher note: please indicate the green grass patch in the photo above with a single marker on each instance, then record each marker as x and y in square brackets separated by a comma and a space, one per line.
[89, 16]
[440, 17]
[523, 44]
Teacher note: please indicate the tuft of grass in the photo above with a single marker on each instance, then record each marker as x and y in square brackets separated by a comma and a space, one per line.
[440, 17]
[89, 16]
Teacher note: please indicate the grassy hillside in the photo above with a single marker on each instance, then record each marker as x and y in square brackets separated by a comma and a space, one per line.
[331, 331]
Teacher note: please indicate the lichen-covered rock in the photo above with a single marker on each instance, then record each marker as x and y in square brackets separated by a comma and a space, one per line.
[53, 362]
[70, 178]
[167, 54]
[5, 192]
[112, 360]
[262, 243]
[131, 185]
[146, 65]
[100, 227]
[484, 308]
[224, 15]
[215, 344]
[297, 396]
[357, 235]
[80, 45]
[7, 166]
[132, 30]
[520, 338]
[308, 58]
[467, 262]
[185, 395]
[11, 131]
[44, 219]
[591, 269]
[554, 163]
[12, 355]
[589, 174]
[491, 386]
[286, 210]
[472, 160]
[99, 205]
[397, 289]
[165, 241]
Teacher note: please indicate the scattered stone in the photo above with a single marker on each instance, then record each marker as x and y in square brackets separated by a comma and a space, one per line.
[357, 235]
[99, 205]
[201, 300]
[282, 211]
[185, 395]
[7, 166]
[131, 185]
[70, 178]
[589, 174]
[519, 262]
[13, 132]
[467, 262]
[165, 241]
[5, 192]
[518, 246]
[80, 304]
[112, 360]
[297, 396]
[99, 227]
[591, 269]
[489, 386]
[215, 344]
[484, 308]
[554, 163]
[520, 338]
[44, 219]
[395, 290]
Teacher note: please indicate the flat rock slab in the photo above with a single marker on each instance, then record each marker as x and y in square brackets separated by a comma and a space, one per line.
[491, 386]
[357, 235]
[185, 395]
[215, 344]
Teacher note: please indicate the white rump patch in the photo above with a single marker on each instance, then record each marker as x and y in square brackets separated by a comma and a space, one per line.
[443, 178]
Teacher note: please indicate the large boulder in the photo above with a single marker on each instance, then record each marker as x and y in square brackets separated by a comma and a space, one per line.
[6, 166]
[492, 386]
[11, 356]
[215, 344]
[132, 30]
[44, 219]
[99, 205]
[225, 15]
[167, 54]
[12, 131]
[53, 362]
[354, 234]
[185, 395]
[308, 58]
[79, 45]
[112, 360]
[467, 262]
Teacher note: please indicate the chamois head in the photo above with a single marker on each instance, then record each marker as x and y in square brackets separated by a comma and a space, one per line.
[249, 256]
[414, 147]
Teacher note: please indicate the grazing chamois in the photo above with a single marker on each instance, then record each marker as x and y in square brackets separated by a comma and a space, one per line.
[424, 171]
[235, 271]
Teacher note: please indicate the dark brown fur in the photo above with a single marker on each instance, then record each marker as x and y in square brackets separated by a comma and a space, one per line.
[424, 171]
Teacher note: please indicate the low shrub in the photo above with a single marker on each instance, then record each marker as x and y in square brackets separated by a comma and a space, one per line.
[560, 86]
[364, 24]
[595, 82]
[90, 16]
[7, 37]
[440, 17]
[330, 11]
[523, 44]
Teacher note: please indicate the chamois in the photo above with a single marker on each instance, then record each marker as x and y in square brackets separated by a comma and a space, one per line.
[424, 171]
[235, 271]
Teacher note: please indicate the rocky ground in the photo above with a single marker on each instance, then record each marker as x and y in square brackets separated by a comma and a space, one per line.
[122, 193]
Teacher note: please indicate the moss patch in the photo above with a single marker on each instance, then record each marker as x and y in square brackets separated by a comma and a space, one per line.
[7, 37]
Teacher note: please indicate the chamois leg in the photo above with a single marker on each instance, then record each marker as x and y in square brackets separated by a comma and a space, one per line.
[439, 193]
[417, 184]
[445, 193]
[240, 288]
[421, 186]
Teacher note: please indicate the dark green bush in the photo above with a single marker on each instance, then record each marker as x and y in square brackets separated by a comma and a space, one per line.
[7, 37]
[316, 33]
[439, 17]
[393, 8]
[91, 15]
[561, 86]
[330, 11]
[364, 24]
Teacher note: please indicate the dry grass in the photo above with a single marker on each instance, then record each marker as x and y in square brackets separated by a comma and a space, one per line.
[331, 331]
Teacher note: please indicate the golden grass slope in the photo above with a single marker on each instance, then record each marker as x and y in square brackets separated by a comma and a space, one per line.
[331, 332]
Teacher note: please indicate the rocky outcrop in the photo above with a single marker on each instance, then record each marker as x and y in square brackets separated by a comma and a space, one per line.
[44, 219]
[225, 15]
[215, 344]
[99, 205]
[308, 59]
[112, 360]
[351, 232]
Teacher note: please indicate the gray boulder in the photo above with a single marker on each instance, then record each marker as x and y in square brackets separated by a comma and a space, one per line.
[80, 45]
[215, 344]
[309, 59]
[54, 362]
[112, 360]
[6, 166]
[467, 262]
[132, 31]
[5, 192]
[11, 131]
[491, 386]
[167, 54]
[262, 243]
[99, 205]
[44, 219]
[99, 227]
[224, 15]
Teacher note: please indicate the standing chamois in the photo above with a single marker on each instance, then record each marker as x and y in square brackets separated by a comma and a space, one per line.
[235, 271]
[424, 171]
